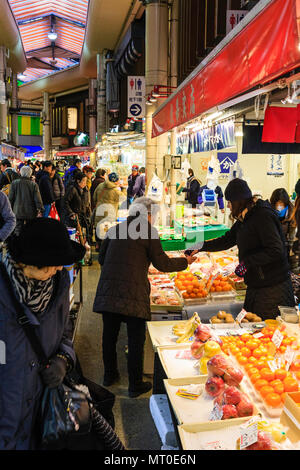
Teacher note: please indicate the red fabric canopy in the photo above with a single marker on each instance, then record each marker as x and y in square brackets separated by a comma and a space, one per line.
[265, 49]
[280, 124]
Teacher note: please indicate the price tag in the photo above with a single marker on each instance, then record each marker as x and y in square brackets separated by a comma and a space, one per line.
[273, 365]
[257, 335]
[289, 357]
[216, 413]
[248, 436]
[241, 315]
[277, 338]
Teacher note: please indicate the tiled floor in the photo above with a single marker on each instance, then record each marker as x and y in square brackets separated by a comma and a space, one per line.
[134, 424]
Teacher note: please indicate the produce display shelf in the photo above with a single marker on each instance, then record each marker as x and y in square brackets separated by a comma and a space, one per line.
[175, 368]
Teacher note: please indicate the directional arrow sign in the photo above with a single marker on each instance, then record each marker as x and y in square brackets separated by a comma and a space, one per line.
[135, 109]
[136, 96]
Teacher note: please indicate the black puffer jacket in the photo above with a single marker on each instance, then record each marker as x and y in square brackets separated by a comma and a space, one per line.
[123, 286]
[261, 245]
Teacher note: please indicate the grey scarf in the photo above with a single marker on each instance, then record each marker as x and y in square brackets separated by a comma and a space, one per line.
[34, 294]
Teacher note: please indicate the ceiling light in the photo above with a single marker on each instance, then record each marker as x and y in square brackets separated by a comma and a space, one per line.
[155, 92]
[52, 35]
[153, 99]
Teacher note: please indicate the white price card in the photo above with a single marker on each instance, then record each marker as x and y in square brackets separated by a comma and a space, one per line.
[258, 335]
[241, 315]
[289, 357]
[277, 338]
[248, 436]
[216, 413]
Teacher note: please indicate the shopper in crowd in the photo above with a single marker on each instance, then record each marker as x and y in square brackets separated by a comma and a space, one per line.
[7, 222]
[99, 178]
[262, 254]
[8, 174]
[60, 169]
[192, 189]
[34, 284]
[89, 172]
[106, 199]
[46, 189]
[58, 189]
[139, 186]
[131, 183]
[74, 202]
[280, 201]
[123, 292]
[77, 165]
[38, 171]
[25, 198]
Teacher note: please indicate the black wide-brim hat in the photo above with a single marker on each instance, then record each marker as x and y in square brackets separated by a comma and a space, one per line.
[46, 242]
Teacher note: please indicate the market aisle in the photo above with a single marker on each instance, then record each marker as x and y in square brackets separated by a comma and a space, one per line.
[134, 423]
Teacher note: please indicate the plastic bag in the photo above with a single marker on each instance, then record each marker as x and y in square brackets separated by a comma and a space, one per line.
[155, 189]
[53, 214]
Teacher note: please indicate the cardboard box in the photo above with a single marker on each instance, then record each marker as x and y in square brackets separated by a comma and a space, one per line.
[290, 416]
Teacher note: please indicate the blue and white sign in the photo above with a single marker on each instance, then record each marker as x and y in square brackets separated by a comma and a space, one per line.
[227, 160]
[217, 137]
[136, 96]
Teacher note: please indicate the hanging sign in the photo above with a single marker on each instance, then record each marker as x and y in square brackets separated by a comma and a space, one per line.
[215, 137]
[136, 96]
[227, 160]
[275, 165]
[233, 18]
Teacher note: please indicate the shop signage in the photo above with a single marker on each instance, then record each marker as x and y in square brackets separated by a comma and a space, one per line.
[136, 96]
[233, 18]
[275, 165]
[227, 160]
[216, 137]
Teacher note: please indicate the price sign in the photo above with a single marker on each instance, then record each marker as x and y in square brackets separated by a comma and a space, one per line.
[248, 436]
[289, 357]
[216, 413]
[277, 338]
[257, 335]
[241, 315]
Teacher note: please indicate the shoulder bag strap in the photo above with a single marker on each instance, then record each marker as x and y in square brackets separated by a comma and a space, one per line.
[23, 321]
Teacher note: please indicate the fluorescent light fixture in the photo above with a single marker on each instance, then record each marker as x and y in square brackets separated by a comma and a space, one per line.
[52, 36]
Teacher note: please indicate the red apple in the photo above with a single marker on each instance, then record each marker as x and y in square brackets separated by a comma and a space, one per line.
[214, 386]
[217, 339]
[197, 349]
[229, 412]
[202, 332]
[219, 400]
[217, 365]
[232, 396]
[264, 442]
[245, 407]
[233, 376]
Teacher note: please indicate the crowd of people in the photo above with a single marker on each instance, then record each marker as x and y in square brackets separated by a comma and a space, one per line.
[35, 287]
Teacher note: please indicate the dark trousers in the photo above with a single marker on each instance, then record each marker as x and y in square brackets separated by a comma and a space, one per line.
[136, 333]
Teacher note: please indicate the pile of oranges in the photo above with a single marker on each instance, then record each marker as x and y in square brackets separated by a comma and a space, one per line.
[253, 355]
[190, 285]
[221, 284]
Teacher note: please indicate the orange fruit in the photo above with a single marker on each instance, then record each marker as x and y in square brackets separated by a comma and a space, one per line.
[255, 377]
[286, 342]
[282, 349]
[275, 382]
[280, 374]
[297, 374]
[246, 351]
[273, 399]
[253, 370]
[252, 360]
[260, 364]
[290, 384]
[257, 353]
[260, 383]
[240, 343]
[267, 374]
[279, 388]
[265, 390]
[263, 350]
[243, 360]
[252, 344]
[245, 337]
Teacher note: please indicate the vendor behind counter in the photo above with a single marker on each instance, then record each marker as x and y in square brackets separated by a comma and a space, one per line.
[262, 253]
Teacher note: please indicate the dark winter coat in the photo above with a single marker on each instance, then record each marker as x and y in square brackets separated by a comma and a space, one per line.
[21, 386]
[192, 190]
[123, 286]
[74, 201]
[131, 183]
[58, 187]
[8, 176]
[46, 189]
[261, 245]
[7, 218]
[139, 186]
[25, 198]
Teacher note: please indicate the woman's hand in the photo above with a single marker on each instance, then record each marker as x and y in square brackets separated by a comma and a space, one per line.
[54, 374]
[191, 259]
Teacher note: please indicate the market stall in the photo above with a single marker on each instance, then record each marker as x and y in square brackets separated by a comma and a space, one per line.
[243, 379]
[84, 153]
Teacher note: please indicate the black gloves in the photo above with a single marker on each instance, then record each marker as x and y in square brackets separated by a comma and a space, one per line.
[54, 374]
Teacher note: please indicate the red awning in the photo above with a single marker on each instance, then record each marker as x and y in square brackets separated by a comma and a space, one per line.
[264, 49]
[80, 151]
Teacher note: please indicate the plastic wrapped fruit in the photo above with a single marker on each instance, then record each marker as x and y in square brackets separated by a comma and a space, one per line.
[229, 412]
[211, 348]
[197, 349]
[264, 442]
[214, 386]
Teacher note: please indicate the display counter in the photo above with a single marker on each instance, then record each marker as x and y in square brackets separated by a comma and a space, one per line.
[195, 235]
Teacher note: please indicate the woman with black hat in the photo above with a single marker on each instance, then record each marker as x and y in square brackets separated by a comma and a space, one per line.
[262, 254]
[33, 283]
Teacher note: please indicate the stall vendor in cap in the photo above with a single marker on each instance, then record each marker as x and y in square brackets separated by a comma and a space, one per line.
[263, 258]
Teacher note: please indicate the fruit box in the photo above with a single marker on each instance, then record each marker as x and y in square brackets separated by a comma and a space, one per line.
[290, 416]
[193, 411]
[161, 333]
[212, 435]
[177, 368]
